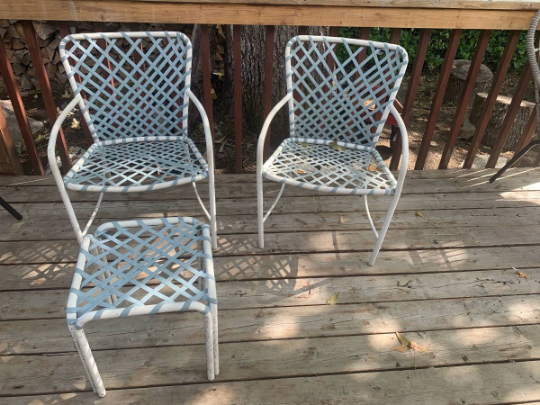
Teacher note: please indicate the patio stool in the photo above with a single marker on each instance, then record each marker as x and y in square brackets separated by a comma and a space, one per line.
[143, 267]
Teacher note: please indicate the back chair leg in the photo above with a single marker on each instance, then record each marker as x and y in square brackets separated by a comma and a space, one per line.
[213, 224]
[382, 233]
[260, 209]
[209, 344]
[81, 343]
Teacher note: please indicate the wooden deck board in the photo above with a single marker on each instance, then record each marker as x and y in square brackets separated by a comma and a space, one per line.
[446, 277]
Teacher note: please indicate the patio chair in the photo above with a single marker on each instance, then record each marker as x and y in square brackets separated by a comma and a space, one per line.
[337, 111]
[133, 89]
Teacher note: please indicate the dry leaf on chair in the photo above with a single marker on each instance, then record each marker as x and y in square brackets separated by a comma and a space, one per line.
[304, 144]
[334, 145]
[332, 300]
[372, 167]
[301, 171]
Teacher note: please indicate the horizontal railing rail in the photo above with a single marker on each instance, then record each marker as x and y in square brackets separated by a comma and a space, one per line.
[485, 15]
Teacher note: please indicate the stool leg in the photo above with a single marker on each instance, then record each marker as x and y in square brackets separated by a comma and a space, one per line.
[81, 343]
[209, 343]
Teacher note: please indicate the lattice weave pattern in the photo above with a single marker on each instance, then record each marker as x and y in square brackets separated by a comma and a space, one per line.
[344, 100]
[142, 265]
[131, 86]
[148, 162]
[316, 164]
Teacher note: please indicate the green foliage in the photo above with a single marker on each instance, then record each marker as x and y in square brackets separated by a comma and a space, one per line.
[439, 41]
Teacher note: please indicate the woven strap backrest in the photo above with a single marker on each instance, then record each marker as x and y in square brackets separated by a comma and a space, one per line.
[341, 98]
[133, 84]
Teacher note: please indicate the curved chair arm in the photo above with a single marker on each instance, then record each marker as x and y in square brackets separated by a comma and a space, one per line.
[51, 148]
[207, 131]
[264, 130]
[404, 148]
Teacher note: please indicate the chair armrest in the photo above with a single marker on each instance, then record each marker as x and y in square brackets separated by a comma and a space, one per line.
[404, 147]
[51, 148]
[207, 131]
[264, 130]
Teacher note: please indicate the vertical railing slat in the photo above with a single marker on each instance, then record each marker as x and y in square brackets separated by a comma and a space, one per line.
[20, 112]
[519, 93]
[237, 62]
[8, 153]
[207, 74]
[412, 89]
[494, 91]
[268, 77]
[46, 91]
[466, 94]
[63, 26]
[436, 104]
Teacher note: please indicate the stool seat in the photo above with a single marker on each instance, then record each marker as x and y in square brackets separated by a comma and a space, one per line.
[143, 267]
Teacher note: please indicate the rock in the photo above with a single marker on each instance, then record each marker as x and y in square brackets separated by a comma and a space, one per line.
[43, 30]
[26, 82]
[467, 131]
[35, 125]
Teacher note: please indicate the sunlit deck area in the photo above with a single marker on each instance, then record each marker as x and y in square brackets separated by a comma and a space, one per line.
[304, 320]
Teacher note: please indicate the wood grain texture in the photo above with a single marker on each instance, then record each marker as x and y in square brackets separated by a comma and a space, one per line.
[253, 14]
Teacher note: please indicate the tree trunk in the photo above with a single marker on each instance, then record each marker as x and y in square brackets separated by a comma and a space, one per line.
[253, 60]
[456, 83]
[497, 117]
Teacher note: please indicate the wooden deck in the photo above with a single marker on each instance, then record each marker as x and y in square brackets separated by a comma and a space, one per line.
[446, 278]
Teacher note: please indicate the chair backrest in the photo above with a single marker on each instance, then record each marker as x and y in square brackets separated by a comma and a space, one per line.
[343, 98]
[133, 84]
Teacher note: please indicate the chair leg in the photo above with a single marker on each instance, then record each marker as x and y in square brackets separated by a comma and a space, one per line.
[213, 225]
[81, 343]
[260, 210]
[382, 233]
[71, 212]
[216, 338]
[514, 160]
[209, 344]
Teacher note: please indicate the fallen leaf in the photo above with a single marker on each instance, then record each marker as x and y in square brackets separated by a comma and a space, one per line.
[522, 274]
[334, 145]
[372, 167]
[407, 344]
[420, 214]
[75, 124]
[301, 171]
[304, 144]
[343, 219]
[332, 300]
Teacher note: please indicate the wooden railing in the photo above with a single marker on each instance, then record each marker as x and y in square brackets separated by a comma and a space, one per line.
[485, 15]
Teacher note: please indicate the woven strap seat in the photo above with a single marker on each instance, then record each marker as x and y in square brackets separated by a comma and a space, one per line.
[327, 166]
[142, 267]
[141, 164]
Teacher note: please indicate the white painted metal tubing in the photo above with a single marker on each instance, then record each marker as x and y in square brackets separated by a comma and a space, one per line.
[369, 217]
[210, 161]
[81, 343]
[399, 186]
[51, 154]
[274, 203]
[212, 293]
[209, 345]
[260, 157]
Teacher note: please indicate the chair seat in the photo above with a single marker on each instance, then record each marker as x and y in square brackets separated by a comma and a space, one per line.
[330, 167]
[146, 266]
[137, 164]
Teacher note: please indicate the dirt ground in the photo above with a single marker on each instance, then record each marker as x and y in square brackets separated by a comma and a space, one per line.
[224, 134]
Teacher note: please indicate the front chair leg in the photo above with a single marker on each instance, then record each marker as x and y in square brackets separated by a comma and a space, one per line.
[384, 229]
[81, 343]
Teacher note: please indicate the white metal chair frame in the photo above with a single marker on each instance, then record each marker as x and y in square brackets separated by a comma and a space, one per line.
[137, 81]
[349, 136]
[143, 267]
